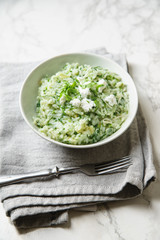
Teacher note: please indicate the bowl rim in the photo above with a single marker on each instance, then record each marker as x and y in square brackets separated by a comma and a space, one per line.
[115, 135]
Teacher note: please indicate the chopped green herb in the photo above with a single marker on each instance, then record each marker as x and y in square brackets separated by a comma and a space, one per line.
[73, 106]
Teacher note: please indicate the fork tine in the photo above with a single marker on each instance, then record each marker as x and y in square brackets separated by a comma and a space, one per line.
[113, 163]
[115, 169]
[112, 166]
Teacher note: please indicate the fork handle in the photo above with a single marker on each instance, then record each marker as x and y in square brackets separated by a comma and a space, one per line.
[9, 179]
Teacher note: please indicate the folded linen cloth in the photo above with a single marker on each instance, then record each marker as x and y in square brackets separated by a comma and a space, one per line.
[45, 202]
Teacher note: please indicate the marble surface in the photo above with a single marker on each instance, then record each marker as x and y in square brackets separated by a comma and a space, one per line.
[35, 30]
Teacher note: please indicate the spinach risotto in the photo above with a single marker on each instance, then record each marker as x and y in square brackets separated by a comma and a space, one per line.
[81, 104]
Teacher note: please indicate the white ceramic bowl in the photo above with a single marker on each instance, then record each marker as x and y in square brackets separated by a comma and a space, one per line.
[30, 86]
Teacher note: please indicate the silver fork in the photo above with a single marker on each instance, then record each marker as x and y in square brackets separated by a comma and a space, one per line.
[97, 169]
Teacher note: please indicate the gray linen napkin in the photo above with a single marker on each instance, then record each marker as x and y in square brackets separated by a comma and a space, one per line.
[45, 202]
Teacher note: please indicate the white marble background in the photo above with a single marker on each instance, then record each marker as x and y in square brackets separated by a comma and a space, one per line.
[34, 30]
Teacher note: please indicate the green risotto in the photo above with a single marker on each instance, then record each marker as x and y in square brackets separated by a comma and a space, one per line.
[81, 104]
